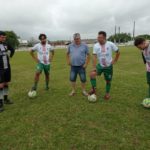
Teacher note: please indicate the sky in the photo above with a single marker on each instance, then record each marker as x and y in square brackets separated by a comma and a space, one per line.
[60, 19]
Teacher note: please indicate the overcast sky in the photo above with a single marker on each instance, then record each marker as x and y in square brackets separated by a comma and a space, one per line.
[59, 19]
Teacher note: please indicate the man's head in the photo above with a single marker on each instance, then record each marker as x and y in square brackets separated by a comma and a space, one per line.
[2, 36]
[102, 37]
[77, 38]
[43, 38]
[140, 43]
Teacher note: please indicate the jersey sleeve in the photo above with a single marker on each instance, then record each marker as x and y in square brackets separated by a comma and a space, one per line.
[114, 47]
[94, 50]
[35, 47]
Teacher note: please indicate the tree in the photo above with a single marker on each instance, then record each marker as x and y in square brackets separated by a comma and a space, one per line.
[120, 37]
[145, 36]
[12, 39]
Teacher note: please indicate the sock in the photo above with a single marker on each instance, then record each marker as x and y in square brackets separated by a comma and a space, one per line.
[108, 86]
[5, 92]
[149, 90]
[35, 85]
[93, 83]
[1, 94]
[47, 83]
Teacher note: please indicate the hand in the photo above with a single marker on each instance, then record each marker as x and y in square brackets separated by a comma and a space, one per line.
[113, 62]
[36, 60]
[85, 66]
[69, 63]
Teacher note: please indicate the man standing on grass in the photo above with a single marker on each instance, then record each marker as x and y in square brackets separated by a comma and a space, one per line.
[5, 70]
[103, 51]
[144, 46]
[78, 58]
[43, 59]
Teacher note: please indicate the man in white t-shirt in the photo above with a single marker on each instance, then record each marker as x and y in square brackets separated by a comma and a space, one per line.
[144, 46]
[44, 57]
[103, 52]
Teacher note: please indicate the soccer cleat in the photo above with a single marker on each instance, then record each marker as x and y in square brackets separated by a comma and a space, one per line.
[92, 91]
[85, 93]
[1, 106]
[107, 97]
[8, 101]
[33, 89]
[47, 88]
[72, 93]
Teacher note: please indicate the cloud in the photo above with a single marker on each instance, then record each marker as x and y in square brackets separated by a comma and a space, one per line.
[59, 19]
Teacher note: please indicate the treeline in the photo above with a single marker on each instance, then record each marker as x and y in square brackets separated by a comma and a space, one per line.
[12, 39]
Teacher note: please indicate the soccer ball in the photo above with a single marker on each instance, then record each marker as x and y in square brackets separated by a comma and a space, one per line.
[92, 98]
[146, 103]
[32, 94]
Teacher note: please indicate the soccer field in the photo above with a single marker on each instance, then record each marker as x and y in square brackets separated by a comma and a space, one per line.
[55, 121]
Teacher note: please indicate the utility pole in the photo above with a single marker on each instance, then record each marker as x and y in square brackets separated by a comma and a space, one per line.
[133, 30]
[115, 34]
[119, 34]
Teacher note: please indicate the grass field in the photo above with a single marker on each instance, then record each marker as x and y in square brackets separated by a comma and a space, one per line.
[54, 121]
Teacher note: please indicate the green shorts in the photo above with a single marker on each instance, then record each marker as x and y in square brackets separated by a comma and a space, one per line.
[108, 71]
[148, 77]
[42, 67]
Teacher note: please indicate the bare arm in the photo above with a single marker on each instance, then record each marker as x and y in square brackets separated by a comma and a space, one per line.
[94, 61]
[116, 57]
[87, 61]
[68, 59]
[34, 56]
[52, 56]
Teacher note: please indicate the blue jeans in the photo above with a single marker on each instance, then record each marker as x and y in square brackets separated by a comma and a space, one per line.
[75, 70]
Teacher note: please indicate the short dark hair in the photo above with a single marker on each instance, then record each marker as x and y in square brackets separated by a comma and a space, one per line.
[138, 41]
[2, 33]
[103, 33]
[42, 35]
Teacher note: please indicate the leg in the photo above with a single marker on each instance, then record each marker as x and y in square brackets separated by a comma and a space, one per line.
[37, 76]
[93, 75]
[6, 86]
[108, 73]
[82, 74]
[148, 82]
[73, 77]
[47, 73]
[1, 90]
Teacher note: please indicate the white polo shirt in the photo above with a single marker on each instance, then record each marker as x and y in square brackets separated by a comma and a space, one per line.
[104, 53]
[43, 52]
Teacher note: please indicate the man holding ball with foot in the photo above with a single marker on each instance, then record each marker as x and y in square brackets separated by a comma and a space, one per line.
[103, 52]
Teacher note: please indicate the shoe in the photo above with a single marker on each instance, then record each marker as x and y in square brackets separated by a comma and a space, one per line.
[1, 106]
[107, 96]
[72, 93]
[85, 93]
[47, 88]
[92, 91]
[8, 101]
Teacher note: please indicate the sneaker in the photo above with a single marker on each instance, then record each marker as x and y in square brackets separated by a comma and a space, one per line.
[107, 96]
[72, 93]
[47, 88]
[8, 101]
[92, 91]
[1, 106]
[85, 93]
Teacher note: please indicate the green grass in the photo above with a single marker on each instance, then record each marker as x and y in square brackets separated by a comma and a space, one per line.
[54, 121]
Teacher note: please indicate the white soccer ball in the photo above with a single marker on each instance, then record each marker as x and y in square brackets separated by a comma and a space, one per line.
[92, 98]
[32, 94]
[146, 103]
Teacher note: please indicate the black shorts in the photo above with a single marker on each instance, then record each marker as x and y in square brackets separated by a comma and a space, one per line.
[5, 75]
